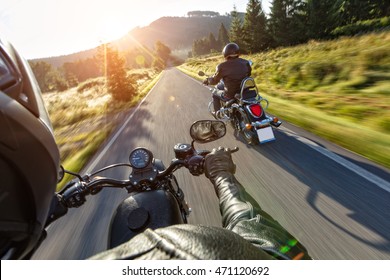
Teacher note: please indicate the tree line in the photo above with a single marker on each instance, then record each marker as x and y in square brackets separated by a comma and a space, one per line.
[203, 14]
[292, 22]
[108, 62]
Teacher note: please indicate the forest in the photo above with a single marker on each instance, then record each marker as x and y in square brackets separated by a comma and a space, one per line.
[292, 22]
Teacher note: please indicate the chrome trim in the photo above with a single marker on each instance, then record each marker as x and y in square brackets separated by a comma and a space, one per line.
[263, 123]
[223, 114]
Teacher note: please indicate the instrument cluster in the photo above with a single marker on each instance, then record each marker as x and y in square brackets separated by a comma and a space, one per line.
[140, 158]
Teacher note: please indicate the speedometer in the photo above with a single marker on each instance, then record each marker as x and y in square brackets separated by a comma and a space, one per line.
[140, 158]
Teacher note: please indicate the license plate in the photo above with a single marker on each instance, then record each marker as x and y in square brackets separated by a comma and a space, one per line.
[265, 134]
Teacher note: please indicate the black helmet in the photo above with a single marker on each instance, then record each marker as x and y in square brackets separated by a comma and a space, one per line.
[29, 157]
[231, 50]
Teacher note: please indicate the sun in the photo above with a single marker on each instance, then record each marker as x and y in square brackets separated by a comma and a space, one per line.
[111, 28]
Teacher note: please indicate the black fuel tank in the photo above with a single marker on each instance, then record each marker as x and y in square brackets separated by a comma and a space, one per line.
[152, 209]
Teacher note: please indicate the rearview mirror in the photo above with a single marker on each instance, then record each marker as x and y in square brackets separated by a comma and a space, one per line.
[61, 174]
[207, 131]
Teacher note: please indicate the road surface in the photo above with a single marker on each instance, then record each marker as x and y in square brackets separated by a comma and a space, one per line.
[335, 202]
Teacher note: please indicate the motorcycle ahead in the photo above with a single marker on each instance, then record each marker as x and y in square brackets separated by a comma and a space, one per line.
[155, 199]
[245, 113]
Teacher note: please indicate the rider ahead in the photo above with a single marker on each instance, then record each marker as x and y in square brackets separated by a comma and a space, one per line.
[230, 74]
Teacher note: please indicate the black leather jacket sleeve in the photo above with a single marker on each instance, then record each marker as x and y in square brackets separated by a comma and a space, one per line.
[243, 215]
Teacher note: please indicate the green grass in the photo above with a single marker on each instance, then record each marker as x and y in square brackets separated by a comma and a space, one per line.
[337, 89]
[76, 159]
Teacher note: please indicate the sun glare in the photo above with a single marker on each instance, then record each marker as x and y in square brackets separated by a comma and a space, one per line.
[109, 29]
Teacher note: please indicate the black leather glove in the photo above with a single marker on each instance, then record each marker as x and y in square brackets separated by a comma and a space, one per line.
[217, 162]
[206, 81]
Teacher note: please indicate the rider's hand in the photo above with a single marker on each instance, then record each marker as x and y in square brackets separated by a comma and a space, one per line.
[217, 162]
[206, 81]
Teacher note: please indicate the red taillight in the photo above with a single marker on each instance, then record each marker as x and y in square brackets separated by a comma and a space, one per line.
[256, 109]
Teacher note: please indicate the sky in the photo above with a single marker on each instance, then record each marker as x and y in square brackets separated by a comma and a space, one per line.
[43, 28]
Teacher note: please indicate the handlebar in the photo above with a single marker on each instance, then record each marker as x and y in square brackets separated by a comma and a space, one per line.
[171, 168]
[74, 193]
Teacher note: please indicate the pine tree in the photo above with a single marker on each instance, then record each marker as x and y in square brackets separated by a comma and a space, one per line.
[278, 22]
[121, 87]
[201, 46]
[321, 18]
[212, 42]
[255, 33]
[223, 37]
[163, 54]
[298, 22]
[236, 29]
[287, 22]
[382, 8]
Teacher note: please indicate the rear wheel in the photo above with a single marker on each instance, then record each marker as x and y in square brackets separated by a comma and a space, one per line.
[249, 135]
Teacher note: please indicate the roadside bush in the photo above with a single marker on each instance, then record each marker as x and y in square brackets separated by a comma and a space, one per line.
[384, 123]
[90, 84]
[364, 26]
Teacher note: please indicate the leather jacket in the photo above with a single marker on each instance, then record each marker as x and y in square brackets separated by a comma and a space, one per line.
[232, 72]
[248, 232]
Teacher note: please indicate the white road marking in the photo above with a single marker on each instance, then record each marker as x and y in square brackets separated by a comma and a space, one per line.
[383, 184]
[92, 166]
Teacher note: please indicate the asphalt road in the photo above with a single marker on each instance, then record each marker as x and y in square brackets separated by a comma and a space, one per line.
[335, 202]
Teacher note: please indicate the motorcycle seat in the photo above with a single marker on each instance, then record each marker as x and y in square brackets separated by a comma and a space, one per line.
[249, 94]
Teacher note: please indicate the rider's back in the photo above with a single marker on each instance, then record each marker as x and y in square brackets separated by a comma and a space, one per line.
[233, 71]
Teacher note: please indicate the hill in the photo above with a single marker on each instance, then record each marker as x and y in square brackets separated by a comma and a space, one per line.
[177, 33]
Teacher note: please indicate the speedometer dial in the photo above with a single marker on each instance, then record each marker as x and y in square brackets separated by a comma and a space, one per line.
[140, 158]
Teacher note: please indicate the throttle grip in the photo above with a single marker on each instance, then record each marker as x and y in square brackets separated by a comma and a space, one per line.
[195, 165]
[74, 195]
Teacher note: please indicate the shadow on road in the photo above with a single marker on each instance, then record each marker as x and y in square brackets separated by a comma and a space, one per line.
[367, 203]
[131, 132]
